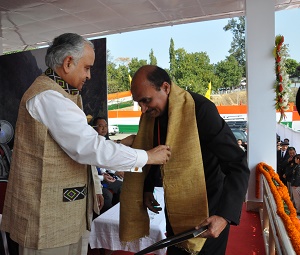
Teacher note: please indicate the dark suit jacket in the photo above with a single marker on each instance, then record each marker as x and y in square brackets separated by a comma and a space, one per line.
[282, 163]
[225, 164]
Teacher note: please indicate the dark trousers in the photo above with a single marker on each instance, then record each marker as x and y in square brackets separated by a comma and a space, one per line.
[212, 246]
[13, 247]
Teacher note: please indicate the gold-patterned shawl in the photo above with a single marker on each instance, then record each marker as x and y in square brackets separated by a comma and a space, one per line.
[183, 176]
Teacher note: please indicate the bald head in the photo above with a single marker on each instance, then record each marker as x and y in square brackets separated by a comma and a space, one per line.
[150, 87]
[145, 69]
[150, 74]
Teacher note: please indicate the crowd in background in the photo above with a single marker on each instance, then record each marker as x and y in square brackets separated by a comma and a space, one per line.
[288, 169]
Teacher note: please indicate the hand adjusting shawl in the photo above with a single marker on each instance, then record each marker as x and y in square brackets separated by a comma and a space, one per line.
[183, 176]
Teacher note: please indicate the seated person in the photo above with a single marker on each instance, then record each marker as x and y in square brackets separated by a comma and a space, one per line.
[111, 189]
[111, 180]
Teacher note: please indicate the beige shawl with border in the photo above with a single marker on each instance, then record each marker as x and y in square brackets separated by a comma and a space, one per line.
[183, 176]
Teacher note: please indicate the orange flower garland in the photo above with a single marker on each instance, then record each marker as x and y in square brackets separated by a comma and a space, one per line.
[282, 198]
[282, 85]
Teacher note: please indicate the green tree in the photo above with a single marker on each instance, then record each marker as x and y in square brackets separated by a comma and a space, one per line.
[229, 72]
[237, 27]
[172, 58]
[112, 84]
[153, 60]
[117, 78]
[193, 71]
[135, 64]
[117, 75]
[291, 67]
[112, 78]
[124, 78]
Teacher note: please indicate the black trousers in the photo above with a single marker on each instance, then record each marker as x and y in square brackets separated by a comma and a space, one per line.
[13, 247]
[212, 246]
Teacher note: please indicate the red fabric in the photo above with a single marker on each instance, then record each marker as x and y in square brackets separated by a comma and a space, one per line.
[3, 185]
[246, 238]
[1, 152]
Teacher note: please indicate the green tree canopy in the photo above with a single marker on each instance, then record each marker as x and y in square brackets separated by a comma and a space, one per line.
[152, 58]
[135, 64]
[172, 58]
[237, 27]
[117, 78]
[117, 75]
[193, 71]
[291, 67]
[229, 72]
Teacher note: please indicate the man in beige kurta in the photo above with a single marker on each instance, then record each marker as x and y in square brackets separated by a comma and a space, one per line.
[49, 195]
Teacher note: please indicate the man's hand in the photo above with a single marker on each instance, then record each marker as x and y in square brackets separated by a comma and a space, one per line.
[120, 174]
[108, 178]
[216, 225]
[100, 200]
[159, 155]
[151, 203]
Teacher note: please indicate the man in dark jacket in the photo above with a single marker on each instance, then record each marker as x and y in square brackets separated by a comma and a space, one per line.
[282, 160]
[170, 111]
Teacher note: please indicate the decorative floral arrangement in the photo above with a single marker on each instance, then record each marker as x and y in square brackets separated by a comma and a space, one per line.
[282, 199]
[282, 84]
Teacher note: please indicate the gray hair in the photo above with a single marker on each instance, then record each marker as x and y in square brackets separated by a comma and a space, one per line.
[67, 44]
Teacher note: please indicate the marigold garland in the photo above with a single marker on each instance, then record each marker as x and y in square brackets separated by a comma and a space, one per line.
[281, 197]
[282, 84]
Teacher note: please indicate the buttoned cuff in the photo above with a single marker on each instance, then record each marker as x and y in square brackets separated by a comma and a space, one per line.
[142, 158]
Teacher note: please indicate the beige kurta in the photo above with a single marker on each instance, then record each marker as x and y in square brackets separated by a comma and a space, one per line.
[34, 212]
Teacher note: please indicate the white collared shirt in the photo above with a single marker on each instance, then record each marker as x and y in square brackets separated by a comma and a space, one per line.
[69, 128]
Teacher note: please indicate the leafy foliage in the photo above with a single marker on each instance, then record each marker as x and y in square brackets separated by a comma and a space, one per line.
[172, 58]
[229, 72]
[135, 64]
[292, 67]
[193, 71]
[237, 27]
[117, 78]
[153, 60]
